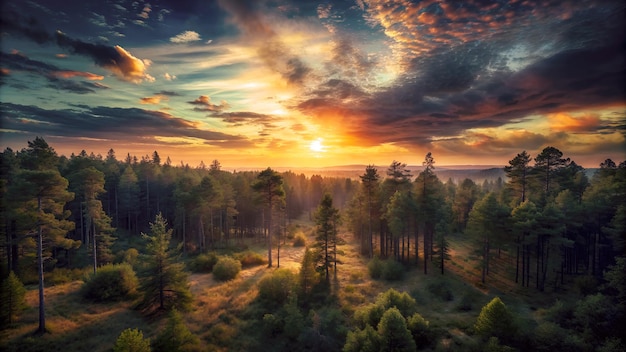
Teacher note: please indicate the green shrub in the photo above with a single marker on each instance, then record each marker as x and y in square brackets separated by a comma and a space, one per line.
[299, 240]
[441, 289]
[375, 268]
[130, 256]
[363, 340]
[131, 340]
[226, 268]
[420, 329]
[275, 287]
[176, 336]
[468, 301]
[393, 270]
[250, 258]
[561, 313]
[112, 282]
[203, 263]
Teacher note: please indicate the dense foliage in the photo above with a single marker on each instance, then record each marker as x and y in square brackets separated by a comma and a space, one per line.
[549, 227]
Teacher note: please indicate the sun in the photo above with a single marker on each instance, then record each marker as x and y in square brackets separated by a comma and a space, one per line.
[316, 146]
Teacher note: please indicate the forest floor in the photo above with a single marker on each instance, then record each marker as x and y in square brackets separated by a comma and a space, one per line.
[219, 307]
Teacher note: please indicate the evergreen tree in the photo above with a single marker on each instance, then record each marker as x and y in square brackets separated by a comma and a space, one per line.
[548, 164]
[165, 283]
[395, 336]
[327, 221]
[518, 171]
[12, 299]
[131, 340]
[269, 185]
[496, 320]
[308, 275]
[43, 194]
[369, 181]
[129, 196]
[486, 225]
[176, 336]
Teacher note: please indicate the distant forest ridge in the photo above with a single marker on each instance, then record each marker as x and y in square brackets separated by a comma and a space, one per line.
[476, 173]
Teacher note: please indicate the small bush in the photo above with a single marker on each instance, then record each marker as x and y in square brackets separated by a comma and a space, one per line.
[130, 256]
[375, 268]
[299, 240]
[467, 301]
[112, 282]
[226, 268]
[131, 340]
[275, 287]
[250, 259]
[441, 289]
[586, 285]
[420, 329]
[393, 270]
[203, 263]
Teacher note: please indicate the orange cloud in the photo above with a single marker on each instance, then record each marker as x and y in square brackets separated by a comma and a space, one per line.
[563, 122]
[156, 99]
[69, 74]
[130, 68]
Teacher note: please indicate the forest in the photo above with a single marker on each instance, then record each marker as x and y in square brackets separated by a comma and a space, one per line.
[101, 253]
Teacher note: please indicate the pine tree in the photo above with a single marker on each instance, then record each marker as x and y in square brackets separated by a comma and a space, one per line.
[308, 275]
[165, 283]
[327, 221]
[495, 319]
[176, 336]
[12, 299]
[43, 194]
[131, 340]
[269, 185]
[395, 336]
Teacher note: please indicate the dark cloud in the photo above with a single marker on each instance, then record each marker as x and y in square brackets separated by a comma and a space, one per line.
[240, 118]
[17, 62]
[203, 103]
[14, 23]
[477, 78]
[169, 93]
[113, 124]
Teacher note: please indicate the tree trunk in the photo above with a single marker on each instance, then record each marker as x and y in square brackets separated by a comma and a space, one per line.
[517, 261]
[42, 311]
[95, 251]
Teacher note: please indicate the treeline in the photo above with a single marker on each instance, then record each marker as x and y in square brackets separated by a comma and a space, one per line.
[87, 198]
[549, 217]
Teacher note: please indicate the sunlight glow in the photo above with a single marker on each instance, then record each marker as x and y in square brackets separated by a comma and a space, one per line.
[316, 146]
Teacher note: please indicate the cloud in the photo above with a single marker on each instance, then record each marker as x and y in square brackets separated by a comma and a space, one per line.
[186, 37]
[145, 13]
[116, 59]
[154, 100]
[69, 74]
[275, 54]
[57, 78]
[564, 122]
[203, 103]
[106, 123]
[169, 77]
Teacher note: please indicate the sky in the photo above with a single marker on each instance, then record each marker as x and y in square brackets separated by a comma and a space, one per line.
[291, 83]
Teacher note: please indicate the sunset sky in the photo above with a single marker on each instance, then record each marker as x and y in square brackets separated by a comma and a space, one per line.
[292, 83]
